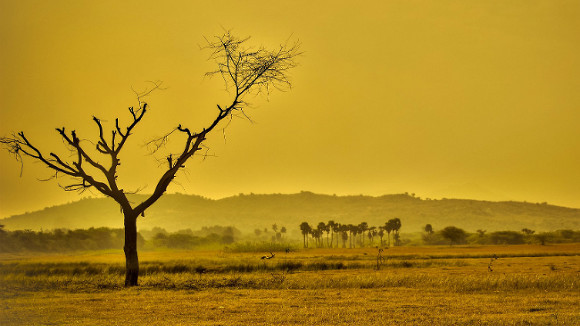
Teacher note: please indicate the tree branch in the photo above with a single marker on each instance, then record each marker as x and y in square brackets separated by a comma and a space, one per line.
[242, 68]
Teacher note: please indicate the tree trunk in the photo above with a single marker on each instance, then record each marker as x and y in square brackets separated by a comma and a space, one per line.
[131, 259]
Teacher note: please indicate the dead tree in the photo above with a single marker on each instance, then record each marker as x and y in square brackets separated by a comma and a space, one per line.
[244, 70]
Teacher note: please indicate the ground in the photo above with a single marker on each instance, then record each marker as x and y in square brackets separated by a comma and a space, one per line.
[528, 285]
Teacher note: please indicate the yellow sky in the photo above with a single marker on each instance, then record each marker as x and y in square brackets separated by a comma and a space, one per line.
[472, 99]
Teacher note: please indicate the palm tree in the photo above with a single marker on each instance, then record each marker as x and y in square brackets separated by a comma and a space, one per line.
[321, 228]
[372, 234]
[396, 228]
[283, 230]
[306, 229]
[275, 227]
[344, 233]
[336, 229]
[353, 230]
[362, 228]
[389, 229]
[381, 233]
[331, 226]
[316, 234]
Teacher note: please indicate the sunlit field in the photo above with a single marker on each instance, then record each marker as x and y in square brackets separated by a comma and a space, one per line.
[525, 285]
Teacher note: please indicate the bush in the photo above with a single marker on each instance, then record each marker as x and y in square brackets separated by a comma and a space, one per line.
[506, 237]
[434, 239]
[454, 235]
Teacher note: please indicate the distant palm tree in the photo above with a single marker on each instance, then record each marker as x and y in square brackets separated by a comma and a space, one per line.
[362, 228]
[336, 229]
[381, 233]
[331, 226]
[352, 229]
[321, 228]
[344, 233]
[372, 234]
[396, 228]
[317, 234]
[306, 229]
[389, 229]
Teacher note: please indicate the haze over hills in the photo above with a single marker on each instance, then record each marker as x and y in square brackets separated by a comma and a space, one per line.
[248, 212]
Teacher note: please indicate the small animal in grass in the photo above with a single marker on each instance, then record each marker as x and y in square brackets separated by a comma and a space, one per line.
[490, 267]
[268, 257]
[200, 270]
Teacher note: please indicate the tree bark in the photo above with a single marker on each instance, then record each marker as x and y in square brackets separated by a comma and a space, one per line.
[131, 258]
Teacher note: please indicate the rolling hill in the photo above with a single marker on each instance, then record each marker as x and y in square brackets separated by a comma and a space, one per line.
[247, 212]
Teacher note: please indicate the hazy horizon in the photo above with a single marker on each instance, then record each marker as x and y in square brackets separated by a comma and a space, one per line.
[474, 100]
[217, 198]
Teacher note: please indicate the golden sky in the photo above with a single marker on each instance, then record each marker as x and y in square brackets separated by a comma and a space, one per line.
[470, 99]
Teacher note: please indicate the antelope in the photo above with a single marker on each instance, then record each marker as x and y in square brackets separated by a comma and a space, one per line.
[268, 257]
[489, 267]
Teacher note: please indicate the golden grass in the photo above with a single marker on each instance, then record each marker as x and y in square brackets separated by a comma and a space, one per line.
[116, 256]
[386, 306]
[529, 285]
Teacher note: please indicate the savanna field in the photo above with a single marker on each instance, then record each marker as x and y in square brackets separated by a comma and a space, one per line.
[431, 285]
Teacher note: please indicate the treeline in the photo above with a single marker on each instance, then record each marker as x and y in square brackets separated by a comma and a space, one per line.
[63, 240]
[452, 235]
[352, 234]
[213, 236]
[277, 237]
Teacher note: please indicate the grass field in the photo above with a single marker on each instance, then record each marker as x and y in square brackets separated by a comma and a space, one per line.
[528, 285]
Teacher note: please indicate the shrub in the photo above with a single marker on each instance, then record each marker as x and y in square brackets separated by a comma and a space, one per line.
[506, 237]
[454, 235]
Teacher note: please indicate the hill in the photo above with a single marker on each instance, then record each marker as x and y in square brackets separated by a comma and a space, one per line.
[247, 212]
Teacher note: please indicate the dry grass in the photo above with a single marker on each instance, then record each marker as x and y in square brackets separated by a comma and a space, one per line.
[530, 285]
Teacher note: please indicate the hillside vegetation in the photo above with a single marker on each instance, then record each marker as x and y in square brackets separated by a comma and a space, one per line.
[247, 212]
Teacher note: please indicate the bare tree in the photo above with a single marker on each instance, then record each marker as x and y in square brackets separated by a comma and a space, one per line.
[244, 70]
